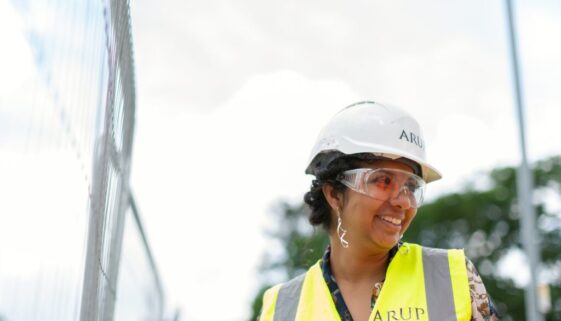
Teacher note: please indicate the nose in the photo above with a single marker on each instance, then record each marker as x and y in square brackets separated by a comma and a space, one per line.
[401, 198]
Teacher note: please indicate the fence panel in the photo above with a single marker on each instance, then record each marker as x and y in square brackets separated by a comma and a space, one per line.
[67, 103]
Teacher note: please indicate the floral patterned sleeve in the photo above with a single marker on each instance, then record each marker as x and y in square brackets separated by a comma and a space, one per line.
[481, 304]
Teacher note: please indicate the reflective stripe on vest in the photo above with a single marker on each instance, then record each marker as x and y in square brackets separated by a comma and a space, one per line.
[422, 284]
[440, 300]
[288, 297]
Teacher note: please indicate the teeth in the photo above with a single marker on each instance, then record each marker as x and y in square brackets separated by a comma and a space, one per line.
[392, 220]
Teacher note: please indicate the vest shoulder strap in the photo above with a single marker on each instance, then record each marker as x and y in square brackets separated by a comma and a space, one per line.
[288, 298]
[280, 302]
[438, 285]
[306, 297]
[446, 284]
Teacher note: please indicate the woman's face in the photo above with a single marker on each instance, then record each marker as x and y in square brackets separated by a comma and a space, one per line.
[375, 224]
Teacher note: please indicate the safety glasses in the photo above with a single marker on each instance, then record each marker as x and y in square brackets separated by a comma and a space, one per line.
[385, 183]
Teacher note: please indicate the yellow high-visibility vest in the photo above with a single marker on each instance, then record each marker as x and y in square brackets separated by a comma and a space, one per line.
[422, 284]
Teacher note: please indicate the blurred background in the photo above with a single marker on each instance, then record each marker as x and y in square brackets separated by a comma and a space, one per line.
[153, 153]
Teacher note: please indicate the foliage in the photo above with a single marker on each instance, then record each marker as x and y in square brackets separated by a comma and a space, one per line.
[483, 220]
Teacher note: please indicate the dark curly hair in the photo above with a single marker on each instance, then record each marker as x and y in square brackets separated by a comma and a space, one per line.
[320, 213]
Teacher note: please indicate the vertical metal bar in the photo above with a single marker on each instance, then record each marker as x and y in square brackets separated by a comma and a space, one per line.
[121, 41]
[524, 185]
[114, 248]
[91, 288]
[92, 295]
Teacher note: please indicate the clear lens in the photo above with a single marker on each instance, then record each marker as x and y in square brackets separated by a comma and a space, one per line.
[385, 183]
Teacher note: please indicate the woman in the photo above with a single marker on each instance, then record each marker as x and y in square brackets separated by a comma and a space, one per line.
[370, 169]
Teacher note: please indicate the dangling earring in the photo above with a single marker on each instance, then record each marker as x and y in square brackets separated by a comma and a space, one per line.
[341, 231]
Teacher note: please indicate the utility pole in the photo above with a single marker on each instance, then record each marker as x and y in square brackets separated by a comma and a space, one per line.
[524, 183]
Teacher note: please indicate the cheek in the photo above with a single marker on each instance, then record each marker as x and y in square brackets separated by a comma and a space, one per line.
[364, 209]
[409, 216]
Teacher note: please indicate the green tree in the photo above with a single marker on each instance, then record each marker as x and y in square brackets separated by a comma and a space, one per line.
[483, 218]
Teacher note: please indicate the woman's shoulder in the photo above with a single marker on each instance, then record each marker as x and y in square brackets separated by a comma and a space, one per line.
[297, 280]
[429, 251]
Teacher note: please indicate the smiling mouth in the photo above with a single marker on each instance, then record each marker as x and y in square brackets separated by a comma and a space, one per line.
[391, 220]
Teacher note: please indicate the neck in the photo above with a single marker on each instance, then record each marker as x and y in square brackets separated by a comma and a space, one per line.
[354, 264]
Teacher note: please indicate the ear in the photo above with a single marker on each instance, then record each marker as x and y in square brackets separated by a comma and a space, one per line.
[334, 198]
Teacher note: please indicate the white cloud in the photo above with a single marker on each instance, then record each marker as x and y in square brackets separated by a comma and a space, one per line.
[201, 53]
[17, 60]
[214, 179]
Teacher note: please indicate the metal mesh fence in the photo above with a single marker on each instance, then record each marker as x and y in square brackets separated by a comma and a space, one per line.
[67, 101]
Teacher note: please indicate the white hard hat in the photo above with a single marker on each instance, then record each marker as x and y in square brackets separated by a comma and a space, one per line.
[368, 127]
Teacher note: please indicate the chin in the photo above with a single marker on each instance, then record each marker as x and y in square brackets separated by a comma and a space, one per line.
[387, 244]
